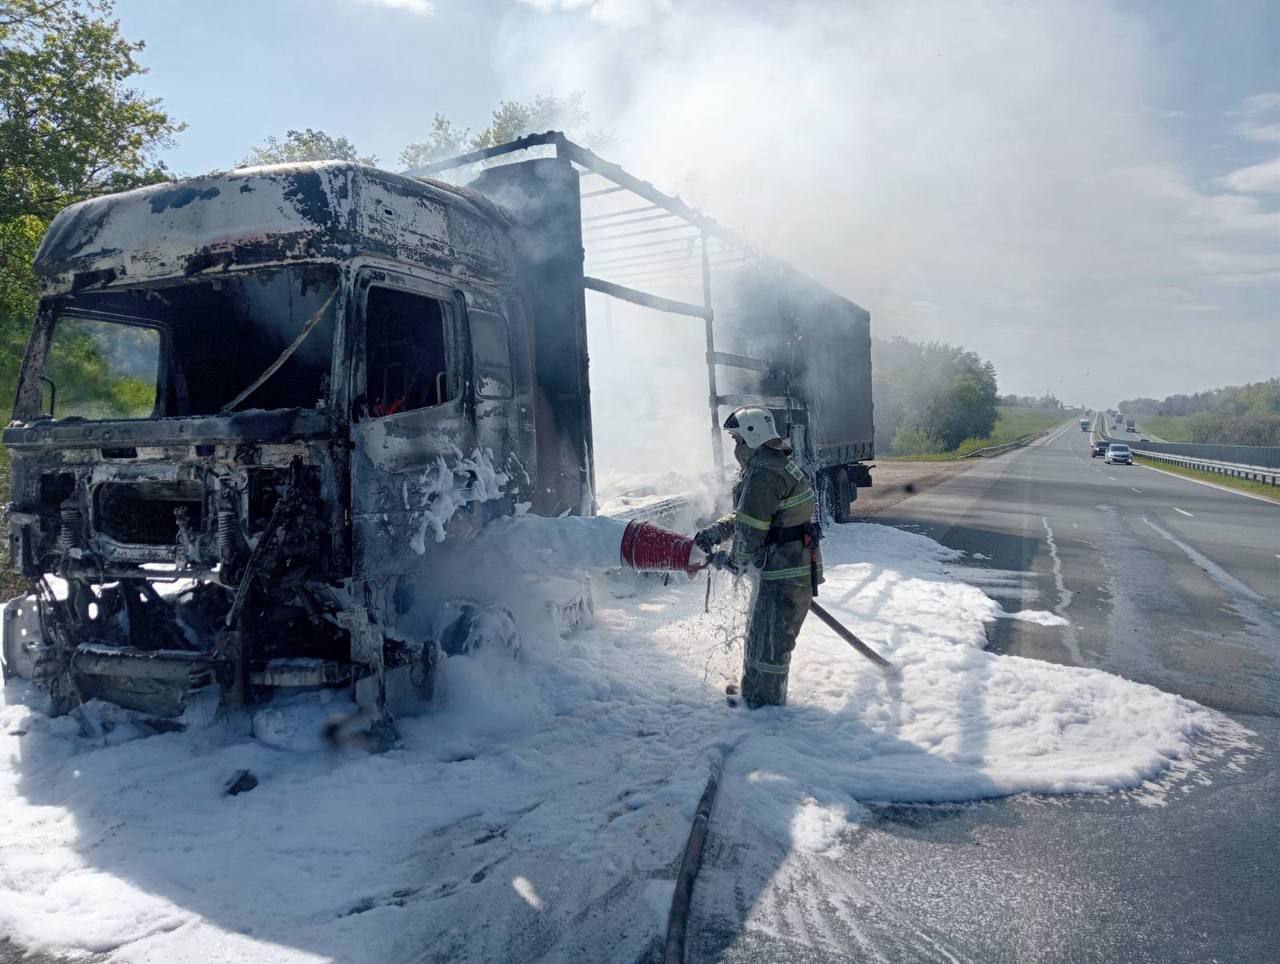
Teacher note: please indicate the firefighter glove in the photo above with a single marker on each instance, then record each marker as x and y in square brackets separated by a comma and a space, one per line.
[724, 562]
[707, 539]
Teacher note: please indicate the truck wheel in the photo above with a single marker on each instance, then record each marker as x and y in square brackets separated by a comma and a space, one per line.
[836, 493]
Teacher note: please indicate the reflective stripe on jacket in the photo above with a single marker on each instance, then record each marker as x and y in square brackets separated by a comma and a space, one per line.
[773, 492]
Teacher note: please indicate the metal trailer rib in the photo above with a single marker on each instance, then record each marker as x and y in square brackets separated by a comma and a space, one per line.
[653, 257]
[645, 299]
[644, 244]
[680, 275]
[618, 214]
[609, 226]
[706, 228]
[679, 226]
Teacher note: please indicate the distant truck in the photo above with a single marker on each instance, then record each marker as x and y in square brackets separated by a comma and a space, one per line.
[1084, 425]
[252, 402]
[1129, 424]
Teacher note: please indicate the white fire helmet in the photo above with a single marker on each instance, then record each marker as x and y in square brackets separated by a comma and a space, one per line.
[752, 424]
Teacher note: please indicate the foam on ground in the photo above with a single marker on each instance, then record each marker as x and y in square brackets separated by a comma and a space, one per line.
[537, 811]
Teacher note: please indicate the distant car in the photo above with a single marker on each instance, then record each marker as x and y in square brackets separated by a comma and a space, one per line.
[1099, 447]
[1118, 455]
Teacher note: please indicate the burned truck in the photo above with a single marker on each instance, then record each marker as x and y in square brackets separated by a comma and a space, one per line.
[252, 400]
[254, 404]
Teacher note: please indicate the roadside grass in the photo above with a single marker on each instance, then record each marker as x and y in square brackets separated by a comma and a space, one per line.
[1271, 492]
[1171, 428]
[1012, 423]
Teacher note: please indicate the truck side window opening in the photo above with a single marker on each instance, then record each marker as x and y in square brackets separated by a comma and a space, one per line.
[405, 358]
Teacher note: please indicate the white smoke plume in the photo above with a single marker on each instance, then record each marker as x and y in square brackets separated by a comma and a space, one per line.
[990, 174]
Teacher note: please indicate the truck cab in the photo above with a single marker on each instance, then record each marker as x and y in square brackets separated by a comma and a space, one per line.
[253, 401]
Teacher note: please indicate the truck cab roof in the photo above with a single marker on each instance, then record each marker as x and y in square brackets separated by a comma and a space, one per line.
[325, 210]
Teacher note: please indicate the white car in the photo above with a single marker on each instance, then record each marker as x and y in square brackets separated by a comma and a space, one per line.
[1120, 454]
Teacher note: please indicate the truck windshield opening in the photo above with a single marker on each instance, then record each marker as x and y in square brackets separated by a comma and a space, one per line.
[99, 369]
[185, 349]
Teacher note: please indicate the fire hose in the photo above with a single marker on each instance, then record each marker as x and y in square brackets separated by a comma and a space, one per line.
[646, 547]
[650, 548]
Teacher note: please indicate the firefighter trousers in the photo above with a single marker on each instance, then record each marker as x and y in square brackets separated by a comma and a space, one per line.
[776, 616]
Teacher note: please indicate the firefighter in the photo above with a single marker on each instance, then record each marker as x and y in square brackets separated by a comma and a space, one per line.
[772, 530]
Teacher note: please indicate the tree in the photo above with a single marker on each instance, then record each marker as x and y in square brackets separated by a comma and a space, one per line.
[511, 119]
[305, 145]
[930, 397]
[70, 126]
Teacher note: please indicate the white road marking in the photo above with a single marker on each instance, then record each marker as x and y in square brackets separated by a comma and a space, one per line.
[1112, 478]
[1183, 511]
[1050, 441]
[1065, 595]
[1132, 489]
[1249, 605]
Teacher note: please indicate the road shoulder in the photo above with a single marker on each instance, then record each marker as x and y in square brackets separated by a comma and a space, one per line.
[896, 481]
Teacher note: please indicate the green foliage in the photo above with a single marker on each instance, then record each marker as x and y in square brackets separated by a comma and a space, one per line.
[1235, 415]
[1015, 422]
[1047, 402]
[19, 238]
[511, 119]
[1171, 428]
[305, 145]
[909, 440]
[70, 126]
[1012, 423]
[930, 397]
[102, 369]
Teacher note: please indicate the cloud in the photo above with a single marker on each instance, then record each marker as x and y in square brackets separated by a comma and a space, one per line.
[422, 8]
[1261, 178]
[1257, 104]
[1259, 118]
[621, 13]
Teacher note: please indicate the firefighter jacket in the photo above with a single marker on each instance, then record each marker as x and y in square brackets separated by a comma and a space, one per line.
[771, 494]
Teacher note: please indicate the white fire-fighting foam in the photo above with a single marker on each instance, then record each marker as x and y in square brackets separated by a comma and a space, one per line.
[570, 774]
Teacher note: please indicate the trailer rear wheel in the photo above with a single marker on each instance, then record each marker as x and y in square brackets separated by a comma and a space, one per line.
[836, 493]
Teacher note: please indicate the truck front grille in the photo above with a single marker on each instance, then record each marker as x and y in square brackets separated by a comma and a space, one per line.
[142, 513]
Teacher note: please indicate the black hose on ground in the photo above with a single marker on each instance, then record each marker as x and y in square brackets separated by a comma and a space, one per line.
[682, 897]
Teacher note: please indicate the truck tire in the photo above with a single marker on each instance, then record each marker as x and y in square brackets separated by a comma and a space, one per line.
[836, 493]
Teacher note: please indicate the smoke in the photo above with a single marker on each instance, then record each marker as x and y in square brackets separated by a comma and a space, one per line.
[990, 174]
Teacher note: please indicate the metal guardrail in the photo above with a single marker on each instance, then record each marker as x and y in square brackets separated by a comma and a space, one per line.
[1263, 465]
[1258, 456]
[991, 450]
[1254, 473]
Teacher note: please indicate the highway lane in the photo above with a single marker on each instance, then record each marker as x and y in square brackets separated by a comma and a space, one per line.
[1165, 582]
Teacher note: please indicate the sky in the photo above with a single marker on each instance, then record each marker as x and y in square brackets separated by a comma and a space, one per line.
[1087, 193]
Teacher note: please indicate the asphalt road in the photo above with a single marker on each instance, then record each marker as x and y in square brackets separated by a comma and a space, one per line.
[1164, 581]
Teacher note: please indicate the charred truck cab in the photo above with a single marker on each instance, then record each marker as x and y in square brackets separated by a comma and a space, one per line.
[251, 402]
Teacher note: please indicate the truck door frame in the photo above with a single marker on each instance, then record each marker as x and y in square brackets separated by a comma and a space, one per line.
[393, 452]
